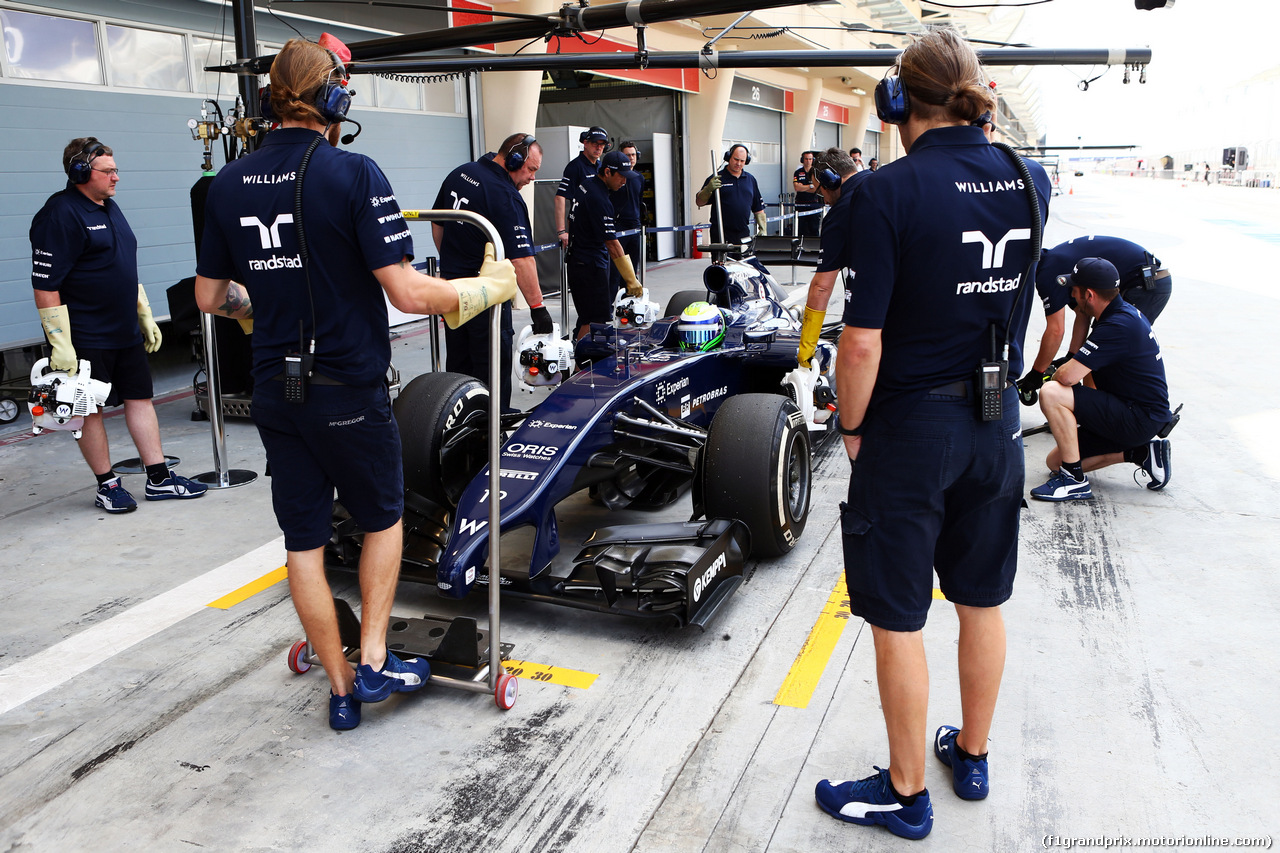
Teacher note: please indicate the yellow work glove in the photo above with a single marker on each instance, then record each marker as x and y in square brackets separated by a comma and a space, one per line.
[810, 329]
[708, 189]
[762, 227]
[150, 331]
[57, 328]
[246, 324]
[628, 272]
[495, 285]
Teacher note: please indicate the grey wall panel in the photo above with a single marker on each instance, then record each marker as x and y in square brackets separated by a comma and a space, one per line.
[159, 162]
[752, 124]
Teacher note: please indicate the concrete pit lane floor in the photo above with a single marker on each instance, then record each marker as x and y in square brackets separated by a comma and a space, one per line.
[1137, 698]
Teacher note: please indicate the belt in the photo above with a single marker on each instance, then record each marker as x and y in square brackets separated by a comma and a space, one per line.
[314, 378]
[955, 389]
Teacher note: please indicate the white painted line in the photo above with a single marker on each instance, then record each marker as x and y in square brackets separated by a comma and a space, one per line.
[58, 664]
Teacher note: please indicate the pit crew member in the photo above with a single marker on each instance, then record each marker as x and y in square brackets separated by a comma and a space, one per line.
[592, 244]
[491, 187]
[84, 274]
[740, 195]
[837, 169]
[628, 207]
[595, 140]
[935, 486]
[1119, 420]
[336, 429]
[807, 196]
[1144, 284]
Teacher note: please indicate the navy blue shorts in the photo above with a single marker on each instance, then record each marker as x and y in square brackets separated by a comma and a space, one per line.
[592, 299]
[939, 492]
[1109, 424]
[126, 369]
[1150, 302]
[343, 438]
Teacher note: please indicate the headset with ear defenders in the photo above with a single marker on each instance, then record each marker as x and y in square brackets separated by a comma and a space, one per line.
[745, 149]
[828, 179]
[80, 169]
[892, 102]
[515, 159]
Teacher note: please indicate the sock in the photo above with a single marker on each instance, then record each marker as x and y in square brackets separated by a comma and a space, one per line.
[906, 801]
[157, 473]
[1137, 455]
[103, 479]
[964, 756]
[1075, 469]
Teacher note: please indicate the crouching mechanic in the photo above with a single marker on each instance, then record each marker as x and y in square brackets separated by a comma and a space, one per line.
[84, 271]
[1144, 284]
[337, 429]
[593, 243]
[1119, 420]
[491, 187]
[833, 169]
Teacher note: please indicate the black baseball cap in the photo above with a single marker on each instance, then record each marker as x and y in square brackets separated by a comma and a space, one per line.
[1097, 274]
[615, 160]
[595, 134]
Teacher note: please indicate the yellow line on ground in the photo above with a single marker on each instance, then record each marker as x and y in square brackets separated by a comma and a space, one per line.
[252, 588]
[797, 688]
[550, 674]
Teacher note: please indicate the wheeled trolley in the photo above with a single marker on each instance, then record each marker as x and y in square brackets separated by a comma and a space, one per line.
[467, 657]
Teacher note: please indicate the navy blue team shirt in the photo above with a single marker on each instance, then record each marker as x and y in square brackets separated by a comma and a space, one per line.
[806, 200]
[580, 170]
[86, 252]
[353, 226]
[1126, 256]
[627, 201]
[836, 246]
[591, 223]
[484, 187]
[934, 283]
[741, 198]
[1124, 356]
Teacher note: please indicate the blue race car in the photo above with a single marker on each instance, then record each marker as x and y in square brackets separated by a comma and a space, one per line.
[721, 409]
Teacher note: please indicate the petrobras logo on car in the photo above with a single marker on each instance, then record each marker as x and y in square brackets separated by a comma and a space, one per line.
[703, 583]
[663, 389]
[709, 396]
[535, 452]
[471, 575]
[541, 424]
[517, 475]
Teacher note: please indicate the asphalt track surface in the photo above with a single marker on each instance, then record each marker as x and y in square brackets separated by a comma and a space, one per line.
[1138, 700]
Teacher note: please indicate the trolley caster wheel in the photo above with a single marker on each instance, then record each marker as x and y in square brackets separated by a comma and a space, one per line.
[9, 410]
[505, 693]
[298, 657]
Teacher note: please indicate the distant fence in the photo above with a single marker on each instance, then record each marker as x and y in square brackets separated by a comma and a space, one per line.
[1226, 177]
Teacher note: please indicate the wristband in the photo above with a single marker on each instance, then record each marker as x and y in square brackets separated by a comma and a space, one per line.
[535, 307]
[840, 428]
[561, 231]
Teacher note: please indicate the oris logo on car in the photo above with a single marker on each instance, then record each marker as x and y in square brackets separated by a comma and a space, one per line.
[703, 583]
[537, 452]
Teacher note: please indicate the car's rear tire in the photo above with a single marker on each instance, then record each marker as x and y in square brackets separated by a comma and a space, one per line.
[682, 300]
[769, 489]
[435, 408]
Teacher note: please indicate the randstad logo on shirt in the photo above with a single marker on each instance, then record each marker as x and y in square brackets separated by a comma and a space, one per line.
[991, 285]
[277, 262]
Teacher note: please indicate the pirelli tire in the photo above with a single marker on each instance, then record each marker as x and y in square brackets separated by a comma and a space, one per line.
[682, 299]
[757, 470]
[443, 421]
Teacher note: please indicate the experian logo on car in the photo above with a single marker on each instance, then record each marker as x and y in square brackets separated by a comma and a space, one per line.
[541, 424]
[662, 388]
[703, 583]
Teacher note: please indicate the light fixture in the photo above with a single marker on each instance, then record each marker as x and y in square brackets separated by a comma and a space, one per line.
[858, 91]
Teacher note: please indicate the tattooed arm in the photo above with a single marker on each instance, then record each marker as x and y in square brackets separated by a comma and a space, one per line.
[223, 297]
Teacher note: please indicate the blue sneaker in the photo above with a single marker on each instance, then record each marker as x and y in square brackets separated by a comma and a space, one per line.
[344, 712]
[112, 497]
[175, 487]
[396, 676]
[1063, 487]
[968, 778]
[871, 801]
[1158, 465]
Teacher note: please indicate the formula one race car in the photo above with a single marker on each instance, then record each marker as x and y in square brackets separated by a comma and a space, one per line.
[710, 399]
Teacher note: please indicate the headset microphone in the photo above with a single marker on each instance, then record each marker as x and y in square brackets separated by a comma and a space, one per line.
[349, 138]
